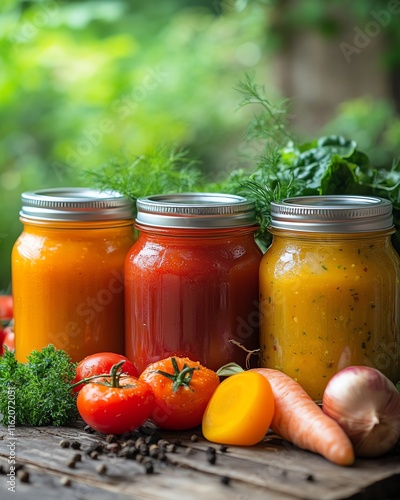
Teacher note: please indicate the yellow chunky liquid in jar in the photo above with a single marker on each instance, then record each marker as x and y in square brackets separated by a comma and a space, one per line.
[328, 301]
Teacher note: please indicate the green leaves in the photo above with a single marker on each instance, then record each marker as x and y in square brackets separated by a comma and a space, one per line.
[328, 165]
[40, 389]
[163, 170]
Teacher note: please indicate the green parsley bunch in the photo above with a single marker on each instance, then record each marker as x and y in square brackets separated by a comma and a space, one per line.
[38, 392]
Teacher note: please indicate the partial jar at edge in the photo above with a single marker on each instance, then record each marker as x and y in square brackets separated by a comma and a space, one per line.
[330, 289]
[191, 280]
[67, 271]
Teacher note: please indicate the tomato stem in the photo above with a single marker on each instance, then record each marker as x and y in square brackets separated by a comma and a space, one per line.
[114, 375]
[180, 378]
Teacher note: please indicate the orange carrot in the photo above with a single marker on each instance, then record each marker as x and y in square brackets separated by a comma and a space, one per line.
[299, 420]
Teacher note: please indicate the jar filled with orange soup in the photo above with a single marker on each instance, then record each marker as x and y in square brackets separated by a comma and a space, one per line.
[67, 271]
[330, 289]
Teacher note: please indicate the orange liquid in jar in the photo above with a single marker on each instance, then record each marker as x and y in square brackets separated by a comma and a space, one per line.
[68, 285]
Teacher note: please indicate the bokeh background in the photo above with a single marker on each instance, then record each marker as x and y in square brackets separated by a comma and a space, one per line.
[83, 81]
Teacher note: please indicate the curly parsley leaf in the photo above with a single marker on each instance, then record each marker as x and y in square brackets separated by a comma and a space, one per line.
[37, 392]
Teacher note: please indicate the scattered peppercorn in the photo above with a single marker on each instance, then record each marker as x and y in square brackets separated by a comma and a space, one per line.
[148, 467]
[163, 443]
[152, 439]
[110, 438]
[144, 449]
[71, 464]
[65, 481]
[112, 447]
[170, 448]
[77, 457]
[225, 480]
[211, 455]
[153, 450]
[64, 443]
[128, 452]
[23, 476]
[139, 441]
[94, 447]
[194, 438]
[129, 442]
[101, 469]
[75, 445]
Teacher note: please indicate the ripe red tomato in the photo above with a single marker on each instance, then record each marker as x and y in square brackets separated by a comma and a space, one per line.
[116, 410]
[6, 307]
[101, 364]
[2, 337]
[6, 339]
[182, 389]
[9, 337]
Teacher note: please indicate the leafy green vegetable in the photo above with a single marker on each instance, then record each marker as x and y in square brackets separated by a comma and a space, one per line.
[327, 165]
[37, 392]
[278, 168]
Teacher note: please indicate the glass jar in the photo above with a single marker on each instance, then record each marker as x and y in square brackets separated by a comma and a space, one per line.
[329, 289]
[67, 271]
[191, 280]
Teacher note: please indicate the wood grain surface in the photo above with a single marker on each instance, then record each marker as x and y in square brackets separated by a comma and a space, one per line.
[273, 469]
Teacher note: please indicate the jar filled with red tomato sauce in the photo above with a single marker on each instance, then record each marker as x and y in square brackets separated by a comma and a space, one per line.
[191, 280]
[67, 271]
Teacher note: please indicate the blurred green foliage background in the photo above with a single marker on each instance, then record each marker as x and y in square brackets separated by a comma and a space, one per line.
[83, 81]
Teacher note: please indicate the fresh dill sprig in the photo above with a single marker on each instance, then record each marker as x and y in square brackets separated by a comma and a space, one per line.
[270, 124]
[162, 170]
[269, 180]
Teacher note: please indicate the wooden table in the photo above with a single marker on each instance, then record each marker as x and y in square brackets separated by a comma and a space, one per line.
[184, 469]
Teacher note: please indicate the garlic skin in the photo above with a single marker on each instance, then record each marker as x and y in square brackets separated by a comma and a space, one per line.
[366, 404]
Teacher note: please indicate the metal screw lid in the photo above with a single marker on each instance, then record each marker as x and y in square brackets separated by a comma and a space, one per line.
[332, 214]
[195, 211]
[75, 204]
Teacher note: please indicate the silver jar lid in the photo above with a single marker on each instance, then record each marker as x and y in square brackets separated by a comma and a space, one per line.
[332, 214]
[195, 211]
[75, 204]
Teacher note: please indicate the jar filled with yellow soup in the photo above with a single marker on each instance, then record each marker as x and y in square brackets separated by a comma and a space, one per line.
[329, 289]
[67, 271]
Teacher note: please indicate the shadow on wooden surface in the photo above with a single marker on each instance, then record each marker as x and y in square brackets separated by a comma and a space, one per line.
[71, 463]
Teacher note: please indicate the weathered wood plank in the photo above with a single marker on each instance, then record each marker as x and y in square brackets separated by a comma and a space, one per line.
[273, 469]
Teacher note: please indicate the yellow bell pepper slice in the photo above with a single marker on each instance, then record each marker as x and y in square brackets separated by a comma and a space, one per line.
[240, 411]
